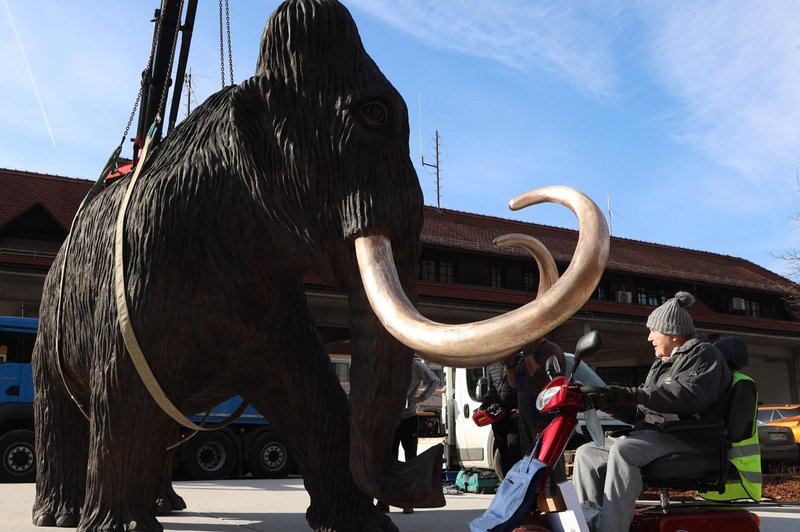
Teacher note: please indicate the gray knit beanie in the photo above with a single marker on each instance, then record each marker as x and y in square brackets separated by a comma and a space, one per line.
[672, 317]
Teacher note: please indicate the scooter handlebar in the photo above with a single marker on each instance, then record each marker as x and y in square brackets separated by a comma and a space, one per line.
[594, 389]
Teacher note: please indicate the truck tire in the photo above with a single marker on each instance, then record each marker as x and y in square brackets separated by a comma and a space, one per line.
[269, 457]
[18, 456]
[209, 456]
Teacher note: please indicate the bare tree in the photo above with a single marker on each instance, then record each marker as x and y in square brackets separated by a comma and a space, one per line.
[793, 258]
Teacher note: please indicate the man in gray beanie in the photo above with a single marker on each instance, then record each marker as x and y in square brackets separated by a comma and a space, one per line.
[689, 379]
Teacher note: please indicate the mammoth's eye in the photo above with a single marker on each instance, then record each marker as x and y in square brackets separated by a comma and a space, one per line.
[374, 113]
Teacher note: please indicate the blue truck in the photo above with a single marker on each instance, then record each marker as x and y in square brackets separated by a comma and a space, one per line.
[250, 444]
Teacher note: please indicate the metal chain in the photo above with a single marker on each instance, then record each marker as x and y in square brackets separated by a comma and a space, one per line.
[221, 49]
[156, 36]
[228, 30]
[169, 66]
[130, 118]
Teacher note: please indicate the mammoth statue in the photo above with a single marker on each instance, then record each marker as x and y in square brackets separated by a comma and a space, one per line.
[303, 167]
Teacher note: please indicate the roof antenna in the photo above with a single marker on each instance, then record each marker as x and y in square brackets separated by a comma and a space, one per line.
[438, 176]
[422, 157]
[611, 214]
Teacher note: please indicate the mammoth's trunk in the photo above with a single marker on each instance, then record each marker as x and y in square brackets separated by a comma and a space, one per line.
[379, 377]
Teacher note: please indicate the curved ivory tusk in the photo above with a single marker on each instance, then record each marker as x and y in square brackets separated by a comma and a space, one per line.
[548, 273]
[484, 342]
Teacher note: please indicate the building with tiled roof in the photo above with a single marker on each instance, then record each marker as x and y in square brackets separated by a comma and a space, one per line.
[464, 277]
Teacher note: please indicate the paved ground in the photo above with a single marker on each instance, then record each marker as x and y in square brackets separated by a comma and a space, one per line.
[279, 505]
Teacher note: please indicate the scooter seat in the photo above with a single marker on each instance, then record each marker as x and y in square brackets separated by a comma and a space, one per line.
[683, 470]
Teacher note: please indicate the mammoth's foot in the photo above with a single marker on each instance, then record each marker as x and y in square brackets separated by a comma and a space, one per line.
[120, 521]
[371, 519]
[167, 501]
[56, 513]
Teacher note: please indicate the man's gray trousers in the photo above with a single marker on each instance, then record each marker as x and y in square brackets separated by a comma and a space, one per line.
[610, 476]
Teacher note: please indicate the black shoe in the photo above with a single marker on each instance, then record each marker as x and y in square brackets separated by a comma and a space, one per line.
[382, 507]
[408, 510]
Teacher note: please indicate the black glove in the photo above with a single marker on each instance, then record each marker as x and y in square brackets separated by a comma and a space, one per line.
[614, 397]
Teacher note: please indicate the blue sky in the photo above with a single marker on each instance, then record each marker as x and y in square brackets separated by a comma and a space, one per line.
[685, 114]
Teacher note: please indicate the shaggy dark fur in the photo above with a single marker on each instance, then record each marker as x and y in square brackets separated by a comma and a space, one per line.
[263, 182]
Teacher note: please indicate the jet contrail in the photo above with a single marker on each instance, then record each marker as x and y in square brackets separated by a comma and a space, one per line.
[30, 73]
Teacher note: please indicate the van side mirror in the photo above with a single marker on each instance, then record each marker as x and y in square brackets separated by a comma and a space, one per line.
[482, 389]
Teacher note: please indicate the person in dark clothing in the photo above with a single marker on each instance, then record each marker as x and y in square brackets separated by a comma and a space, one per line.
[689, 379]
[527, 374]
[506, 431]
[407, 432]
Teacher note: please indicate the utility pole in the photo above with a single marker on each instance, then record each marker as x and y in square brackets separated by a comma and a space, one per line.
[438, 181]
[189, 89]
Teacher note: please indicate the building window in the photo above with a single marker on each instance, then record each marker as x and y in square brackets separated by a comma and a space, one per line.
[745, 306]
[438, 270]
[428, 270]
[529, 281]
[601, 293]
[447, 272]
[654, 298]
[498, 276]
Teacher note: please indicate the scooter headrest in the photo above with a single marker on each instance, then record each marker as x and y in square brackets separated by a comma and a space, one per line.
[734, 349]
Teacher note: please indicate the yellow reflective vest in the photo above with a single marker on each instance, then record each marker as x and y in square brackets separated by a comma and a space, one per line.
[745, 456]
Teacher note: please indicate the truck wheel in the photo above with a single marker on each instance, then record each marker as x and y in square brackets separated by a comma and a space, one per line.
[209, 456]
[269, 457]
[18, 456]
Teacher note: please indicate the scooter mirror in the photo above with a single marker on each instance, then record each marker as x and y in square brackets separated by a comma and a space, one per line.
[482, 389]
[588, 344]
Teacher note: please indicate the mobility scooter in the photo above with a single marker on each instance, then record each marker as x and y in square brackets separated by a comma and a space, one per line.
[565, 398]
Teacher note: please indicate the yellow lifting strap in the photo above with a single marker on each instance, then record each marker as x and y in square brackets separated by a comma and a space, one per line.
[126, 328]
[112, 161]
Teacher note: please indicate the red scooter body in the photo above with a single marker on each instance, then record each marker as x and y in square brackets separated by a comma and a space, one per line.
[565, 399]
[697, 518]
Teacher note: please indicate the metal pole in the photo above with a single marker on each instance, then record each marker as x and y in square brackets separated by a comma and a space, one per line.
[186, 41]
[153, 84]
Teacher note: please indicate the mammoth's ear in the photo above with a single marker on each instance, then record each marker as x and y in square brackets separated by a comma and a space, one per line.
[255, 123]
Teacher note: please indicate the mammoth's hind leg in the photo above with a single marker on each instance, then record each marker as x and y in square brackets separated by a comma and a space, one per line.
[167, 500]
[62, 436]
[127, 448]
[296, 389]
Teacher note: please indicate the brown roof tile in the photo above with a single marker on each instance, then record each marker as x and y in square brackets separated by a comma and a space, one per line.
[19, 191]
[472, 232]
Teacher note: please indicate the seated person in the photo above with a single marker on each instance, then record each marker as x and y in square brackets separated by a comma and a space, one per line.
[689, 379]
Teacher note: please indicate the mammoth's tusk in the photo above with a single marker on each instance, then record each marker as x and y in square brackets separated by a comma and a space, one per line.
[484, 342]
[548, 273]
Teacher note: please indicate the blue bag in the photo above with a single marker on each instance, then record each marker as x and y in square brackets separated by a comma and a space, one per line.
[514, 497]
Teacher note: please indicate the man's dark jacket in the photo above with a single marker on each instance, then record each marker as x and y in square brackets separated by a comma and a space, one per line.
[692, 384]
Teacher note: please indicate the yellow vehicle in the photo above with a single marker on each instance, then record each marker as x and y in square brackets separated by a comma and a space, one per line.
[782, 416]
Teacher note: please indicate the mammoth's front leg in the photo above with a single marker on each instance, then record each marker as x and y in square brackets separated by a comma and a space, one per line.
[295, 386]
[61, 445]
[128, 438]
